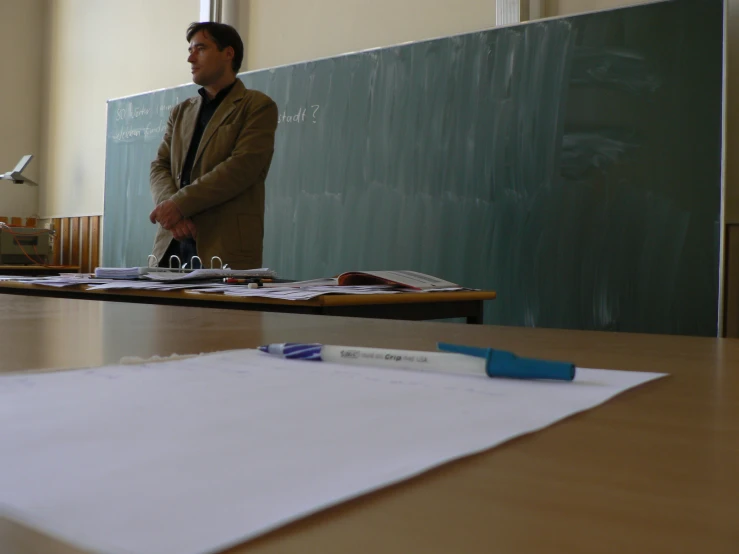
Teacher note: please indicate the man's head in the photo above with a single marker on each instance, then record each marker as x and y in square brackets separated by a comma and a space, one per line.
[216, 53]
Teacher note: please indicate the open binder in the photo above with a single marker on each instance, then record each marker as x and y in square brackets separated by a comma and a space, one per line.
[179, 273]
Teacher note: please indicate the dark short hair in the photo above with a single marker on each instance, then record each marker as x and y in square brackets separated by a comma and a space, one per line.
[223, 35]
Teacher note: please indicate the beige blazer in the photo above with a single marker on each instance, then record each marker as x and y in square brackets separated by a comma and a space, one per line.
[225, 197]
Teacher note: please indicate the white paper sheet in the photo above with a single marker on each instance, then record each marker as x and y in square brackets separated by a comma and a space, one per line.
[195, 455]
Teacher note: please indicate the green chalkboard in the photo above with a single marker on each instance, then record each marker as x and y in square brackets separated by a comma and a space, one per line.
[573, 165]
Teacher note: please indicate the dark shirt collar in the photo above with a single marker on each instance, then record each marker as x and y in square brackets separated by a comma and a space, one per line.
[218, 97]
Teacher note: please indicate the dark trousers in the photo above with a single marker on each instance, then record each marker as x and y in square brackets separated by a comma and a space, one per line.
[184, 250]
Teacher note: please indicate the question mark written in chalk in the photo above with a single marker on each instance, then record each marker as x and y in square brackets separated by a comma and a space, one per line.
[315, 106]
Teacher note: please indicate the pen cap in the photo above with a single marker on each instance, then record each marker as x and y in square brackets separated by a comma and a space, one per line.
[500, 363]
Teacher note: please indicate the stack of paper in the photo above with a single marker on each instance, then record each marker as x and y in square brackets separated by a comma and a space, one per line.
[299, 293]
[120, 272]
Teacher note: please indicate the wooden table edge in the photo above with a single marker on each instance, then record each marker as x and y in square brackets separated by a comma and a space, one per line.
[318, 302]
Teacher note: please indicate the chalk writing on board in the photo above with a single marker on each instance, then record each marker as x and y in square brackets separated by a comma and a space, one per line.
[303, 115]
[129, 111]
[129, 133]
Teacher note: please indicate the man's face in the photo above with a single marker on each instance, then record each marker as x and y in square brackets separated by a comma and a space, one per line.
[207, 63]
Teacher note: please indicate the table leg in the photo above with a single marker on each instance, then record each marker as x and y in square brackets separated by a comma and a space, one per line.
[476, 318]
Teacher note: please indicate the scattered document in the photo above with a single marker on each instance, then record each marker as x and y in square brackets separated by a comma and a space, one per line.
[145, 284]
[200, 454]
[297, 293]
[202, 281]
[323, 282]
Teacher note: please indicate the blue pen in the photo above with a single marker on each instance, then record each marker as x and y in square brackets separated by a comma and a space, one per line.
[452, 358]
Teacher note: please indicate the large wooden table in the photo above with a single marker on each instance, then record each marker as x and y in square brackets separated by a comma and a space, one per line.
[411, 306]
[655, 470]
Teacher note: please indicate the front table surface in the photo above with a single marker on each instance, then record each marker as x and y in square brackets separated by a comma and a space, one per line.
[653, 470]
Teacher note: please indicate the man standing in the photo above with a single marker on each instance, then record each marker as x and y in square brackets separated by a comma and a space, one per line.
[207, 180]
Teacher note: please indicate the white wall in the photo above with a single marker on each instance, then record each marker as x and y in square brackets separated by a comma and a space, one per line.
[279, 32]
[567, 7]
[288, 31]
[21, 93]
[98, 50]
